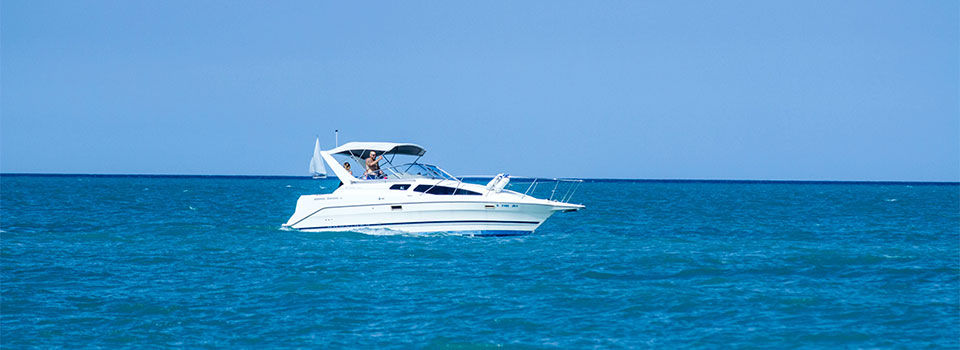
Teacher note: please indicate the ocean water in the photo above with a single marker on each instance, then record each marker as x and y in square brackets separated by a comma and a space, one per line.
[202, 262]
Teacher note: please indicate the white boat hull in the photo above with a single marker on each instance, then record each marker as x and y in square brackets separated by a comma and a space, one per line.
[417, 198]
[327, 213]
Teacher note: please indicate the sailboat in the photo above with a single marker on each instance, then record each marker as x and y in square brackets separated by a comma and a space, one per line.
[317, 169]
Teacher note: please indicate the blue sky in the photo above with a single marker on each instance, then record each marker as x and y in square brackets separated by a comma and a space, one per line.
[807, 90]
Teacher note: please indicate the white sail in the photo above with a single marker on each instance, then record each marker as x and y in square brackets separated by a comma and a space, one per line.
[317, 169]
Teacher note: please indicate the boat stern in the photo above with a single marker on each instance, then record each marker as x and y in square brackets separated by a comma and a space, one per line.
[305, 207]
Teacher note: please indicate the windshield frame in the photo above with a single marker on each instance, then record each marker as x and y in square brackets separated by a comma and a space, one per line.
[416, 170]
[405, 171]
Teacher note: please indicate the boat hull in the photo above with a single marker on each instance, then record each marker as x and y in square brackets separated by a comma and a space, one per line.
[466, 217]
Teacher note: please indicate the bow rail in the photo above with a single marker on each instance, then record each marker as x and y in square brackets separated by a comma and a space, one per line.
[568, 187]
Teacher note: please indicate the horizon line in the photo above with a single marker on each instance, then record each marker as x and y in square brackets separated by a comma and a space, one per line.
[522, 178]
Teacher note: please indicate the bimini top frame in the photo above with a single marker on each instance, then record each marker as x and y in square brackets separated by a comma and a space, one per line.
[360, 151]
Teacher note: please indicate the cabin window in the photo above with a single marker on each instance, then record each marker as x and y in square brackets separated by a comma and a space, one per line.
[461, 191]
[402, 187]
[444, 190]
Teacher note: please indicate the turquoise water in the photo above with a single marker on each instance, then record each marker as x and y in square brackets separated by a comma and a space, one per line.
[202, 262]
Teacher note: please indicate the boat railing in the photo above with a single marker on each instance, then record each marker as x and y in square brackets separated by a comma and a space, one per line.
[562, 190]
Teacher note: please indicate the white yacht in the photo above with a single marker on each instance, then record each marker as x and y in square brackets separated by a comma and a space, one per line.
[417, 197]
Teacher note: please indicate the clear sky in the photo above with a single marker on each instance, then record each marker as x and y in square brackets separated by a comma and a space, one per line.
[807, 90]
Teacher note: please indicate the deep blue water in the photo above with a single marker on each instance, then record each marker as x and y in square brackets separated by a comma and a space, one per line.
[201, 262]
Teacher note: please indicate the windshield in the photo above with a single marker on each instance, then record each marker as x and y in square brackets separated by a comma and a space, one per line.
[418, 171]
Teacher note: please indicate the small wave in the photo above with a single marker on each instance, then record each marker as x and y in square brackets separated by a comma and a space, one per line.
[370, 232]
[287, 186]
[186, 190]
[898, 256]
[391, 232]
[191, 207]
[891, 200]
[379, 231]
[382, 231]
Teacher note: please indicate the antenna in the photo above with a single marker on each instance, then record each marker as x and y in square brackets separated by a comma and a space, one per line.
[336, 137]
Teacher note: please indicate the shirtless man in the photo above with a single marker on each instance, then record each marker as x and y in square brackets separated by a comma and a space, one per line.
[373, 166]
[346, 165]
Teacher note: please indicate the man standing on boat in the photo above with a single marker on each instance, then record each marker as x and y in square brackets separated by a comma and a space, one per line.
[373, 166]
